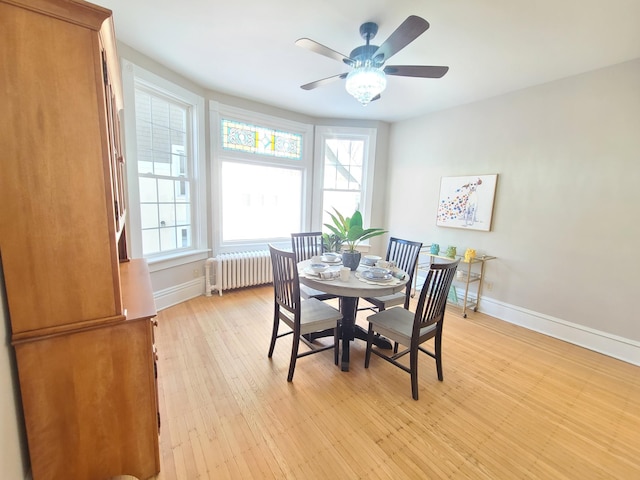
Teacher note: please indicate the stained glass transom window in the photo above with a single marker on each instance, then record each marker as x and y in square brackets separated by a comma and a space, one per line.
[262, 140]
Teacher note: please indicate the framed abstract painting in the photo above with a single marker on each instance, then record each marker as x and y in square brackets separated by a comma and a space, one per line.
[467, 202]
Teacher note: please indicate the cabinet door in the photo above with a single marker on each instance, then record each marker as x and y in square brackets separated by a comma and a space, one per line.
[57, 236]
[116, 157]
[90, 403]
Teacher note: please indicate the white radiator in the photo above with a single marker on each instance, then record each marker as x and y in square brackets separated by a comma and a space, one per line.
[236, 270]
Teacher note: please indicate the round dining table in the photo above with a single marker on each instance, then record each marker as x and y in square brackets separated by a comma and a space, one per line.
[349, 292]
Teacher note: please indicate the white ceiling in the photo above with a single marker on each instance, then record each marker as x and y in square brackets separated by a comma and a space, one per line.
[246, 48]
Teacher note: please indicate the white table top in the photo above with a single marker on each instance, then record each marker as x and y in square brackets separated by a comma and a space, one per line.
[354, 287]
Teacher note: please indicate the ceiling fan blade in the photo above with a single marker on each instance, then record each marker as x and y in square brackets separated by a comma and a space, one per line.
[322, 50]
[422, 71]
[406, 33]
[322, 82]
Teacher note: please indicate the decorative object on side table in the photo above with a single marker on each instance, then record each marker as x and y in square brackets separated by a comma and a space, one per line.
[469, 255]
[350, 231]
[451, 252]
[434, 249]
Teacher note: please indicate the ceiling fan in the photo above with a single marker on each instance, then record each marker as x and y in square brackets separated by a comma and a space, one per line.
[368, 79]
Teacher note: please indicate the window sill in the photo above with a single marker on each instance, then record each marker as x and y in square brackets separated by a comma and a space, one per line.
[177, 259]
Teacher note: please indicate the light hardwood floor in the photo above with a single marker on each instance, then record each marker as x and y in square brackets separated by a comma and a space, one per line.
[514, 404]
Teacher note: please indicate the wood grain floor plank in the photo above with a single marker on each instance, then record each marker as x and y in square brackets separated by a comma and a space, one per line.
[513, 404]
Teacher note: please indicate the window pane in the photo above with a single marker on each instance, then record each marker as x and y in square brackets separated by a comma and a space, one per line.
[343, 160]
[185, 237]
[183, 216]
[160, 111]
[160, 139]
[182, 191]
[355, 177]
[330, 176]
[143, 137]
[167, 215]
[148, 190]
[178, 118]
[260, 202]
[145, 167]
[150, 241]
[149, 215]
[165, 190]
[162, 163]
[168, 239]
[345, 202]
[178, 141]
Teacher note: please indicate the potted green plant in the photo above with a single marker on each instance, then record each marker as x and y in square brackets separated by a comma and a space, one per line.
[331, 242]
[350, 231]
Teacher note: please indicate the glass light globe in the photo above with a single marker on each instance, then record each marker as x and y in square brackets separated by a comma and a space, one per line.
[364, 83]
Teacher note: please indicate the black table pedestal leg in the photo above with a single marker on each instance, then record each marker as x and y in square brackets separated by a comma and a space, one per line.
[349, 331]
[348, 307]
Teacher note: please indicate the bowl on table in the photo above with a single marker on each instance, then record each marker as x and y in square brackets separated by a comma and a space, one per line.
[318, 267]
[331, 257]
[370, 260]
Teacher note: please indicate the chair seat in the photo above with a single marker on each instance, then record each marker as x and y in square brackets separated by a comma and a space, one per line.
[388, 301]
[397, 325]
[314, 316]
[308, 292]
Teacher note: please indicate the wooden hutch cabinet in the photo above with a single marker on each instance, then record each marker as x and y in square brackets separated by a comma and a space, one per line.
[81, 311]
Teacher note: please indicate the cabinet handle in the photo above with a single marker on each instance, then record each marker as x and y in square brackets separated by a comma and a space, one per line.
[154, 321]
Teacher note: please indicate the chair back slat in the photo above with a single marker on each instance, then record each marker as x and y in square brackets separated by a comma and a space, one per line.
[433, 298]
[286, 284]
[405, 254]
[306, 245]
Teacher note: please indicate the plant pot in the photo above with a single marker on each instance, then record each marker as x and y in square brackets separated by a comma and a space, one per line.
[351, 260]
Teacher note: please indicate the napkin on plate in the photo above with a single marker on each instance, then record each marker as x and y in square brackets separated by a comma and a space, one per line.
[329, 274]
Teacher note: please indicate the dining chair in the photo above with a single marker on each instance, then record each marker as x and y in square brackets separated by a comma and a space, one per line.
[305, 246]
[412, 329]
[405, 254]
[302, 317]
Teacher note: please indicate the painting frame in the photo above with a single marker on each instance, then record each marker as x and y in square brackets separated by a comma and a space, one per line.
[467, 202]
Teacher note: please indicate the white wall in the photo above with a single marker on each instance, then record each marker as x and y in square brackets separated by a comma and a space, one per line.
[566, 213]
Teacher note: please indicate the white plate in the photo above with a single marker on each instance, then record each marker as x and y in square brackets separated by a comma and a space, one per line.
[374, 278]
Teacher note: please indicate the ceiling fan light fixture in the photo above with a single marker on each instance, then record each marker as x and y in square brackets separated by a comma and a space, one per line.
[366, 82]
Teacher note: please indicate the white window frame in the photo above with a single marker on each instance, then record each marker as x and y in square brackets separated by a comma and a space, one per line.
[368, 135]
[132, 73]
[219, 111]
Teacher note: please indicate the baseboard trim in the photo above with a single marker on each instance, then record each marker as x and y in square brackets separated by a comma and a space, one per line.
[180, 293]
[602, 342]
